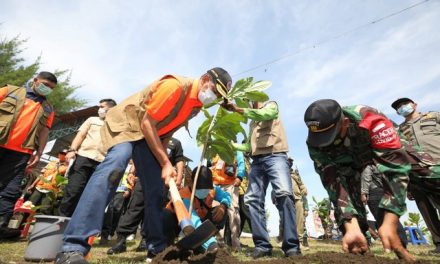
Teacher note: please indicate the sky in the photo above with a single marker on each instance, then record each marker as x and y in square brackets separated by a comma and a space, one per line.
[116, 48]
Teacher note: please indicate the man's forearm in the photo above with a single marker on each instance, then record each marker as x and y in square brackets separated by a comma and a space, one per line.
[179, 167]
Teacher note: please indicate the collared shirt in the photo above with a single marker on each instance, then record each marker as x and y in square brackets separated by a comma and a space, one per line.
[20, 130]
[91, 146]
[424, 131]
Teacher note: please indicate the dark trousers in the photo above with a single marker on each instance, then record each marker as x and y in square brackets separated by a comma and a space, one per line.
[373, 203]
[428, 204]
[8, 197]
[114, 211]
[133, 215]
[244, 214]
[12, 164]
[39, 198]
[79, 175]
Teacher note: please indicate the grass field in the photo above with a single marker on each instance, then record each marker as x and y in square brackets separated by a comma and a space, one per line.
[12, 252]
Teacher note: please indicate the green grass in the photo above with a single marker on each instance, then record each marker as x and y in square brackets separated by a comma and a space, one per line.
[12, 252]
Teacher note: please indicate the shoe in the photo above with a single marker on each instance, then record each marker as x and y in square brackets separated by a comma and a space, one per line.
[103, 241]
[142, 246]
[258, 253]
[119, 247]
[74, 257]
[292, 253]
[436, 251]
[131, 237]
[212, 248]
[150, 257]
[9, 233]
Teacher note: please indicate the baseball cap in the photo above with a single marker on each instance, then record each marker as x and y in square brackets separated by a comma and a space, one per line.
[396, 103]
[323, 118]
[204, 181]
[222, 80]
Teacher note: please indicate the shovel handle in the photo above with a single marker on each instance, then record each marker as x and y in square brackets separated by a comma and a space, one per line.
[182, 214]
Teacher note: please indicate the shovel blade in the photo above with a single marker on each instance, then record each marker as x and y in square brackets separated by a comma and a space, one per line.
[200, 235]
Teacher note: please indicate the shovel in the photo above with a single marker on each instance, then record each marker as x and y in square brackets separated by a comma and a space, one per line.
[194, 237]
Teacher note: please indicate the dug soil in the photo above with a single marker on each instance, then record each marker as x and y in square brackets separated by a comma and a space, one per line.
[174, 256]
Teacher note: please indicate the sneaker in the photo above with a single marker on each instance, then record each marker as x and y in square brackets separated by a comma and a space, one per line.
[150, 257]
[142, 246]
[436, 251]
[9, 233]
[292, 253]
[258, 253]
[212, 248]
[74, 257]
[119, 247]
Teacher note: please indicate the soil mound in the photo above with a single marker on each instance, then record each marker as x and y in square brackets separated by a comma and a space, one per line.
[172, 255]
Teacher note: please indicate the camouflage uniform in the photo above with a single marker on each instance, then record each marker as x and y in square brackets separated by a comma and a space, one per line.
[423, 136]
[340, 165]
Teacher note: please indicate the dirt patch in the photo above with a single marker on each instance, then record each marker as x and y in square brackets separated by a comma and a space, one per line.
[173, 256]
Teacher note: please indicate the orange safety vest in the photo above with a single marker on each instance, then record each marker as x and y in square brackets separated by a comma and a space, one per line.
[202, 211]
[218, 172]
[122, 122]
[10, 109]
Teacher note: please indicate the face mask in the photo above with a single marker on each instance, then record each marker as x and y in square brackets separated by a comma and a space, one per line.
[102, 112]
[207, 96]
[202, 193]
[43, 90]
[405, 110]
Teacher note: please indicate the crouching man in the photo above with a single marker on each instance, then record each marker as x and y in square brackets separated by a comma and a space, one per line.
[210, 203]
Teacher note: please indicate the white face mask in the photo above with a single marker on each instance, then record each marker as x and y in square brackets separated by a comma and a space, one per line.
[102, 112]
[207, 96]
[202, 193]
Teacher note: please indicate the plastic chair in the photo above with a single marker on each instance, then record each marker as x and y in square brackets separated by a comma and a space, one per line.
[416, 235]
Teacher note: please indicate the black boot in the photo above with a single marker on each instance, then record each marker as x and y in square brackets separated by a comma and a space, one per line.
[119, 247]
[142, 245]
[5, 231]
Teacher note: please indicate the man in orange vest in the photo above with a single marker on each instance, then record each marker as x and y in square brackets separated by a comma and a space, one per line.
[140, 126]
[25, 120]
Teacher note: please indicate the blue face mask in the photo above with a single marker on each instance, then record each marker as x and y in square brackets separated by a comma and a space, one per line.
[405, 110]
[43, 90]
[202, 193]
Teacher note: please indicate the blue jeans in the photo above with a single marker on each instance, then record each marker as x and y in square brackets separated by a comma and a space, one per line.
[272, 168]
[88, 217]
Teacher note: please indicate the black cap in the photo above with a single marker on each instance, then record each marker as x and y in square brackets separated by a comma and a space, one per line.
[205, 178]
[323, 118]
[222, 80]
[396, 103]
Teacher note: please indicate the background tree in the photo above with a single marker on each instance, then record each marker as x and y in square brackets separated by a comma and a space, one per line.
[13, 71]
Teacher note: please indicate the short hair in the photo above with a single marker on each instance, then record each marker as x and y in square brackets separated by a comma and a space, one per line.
[48, 76]
[109, 101]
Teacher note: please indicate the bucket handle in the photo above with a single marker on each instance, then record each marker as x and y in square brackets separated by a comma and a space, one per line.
[54, 223]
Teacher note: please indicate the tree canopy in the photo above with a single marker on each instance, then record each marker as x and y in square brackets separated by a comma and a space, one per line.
[14, 71]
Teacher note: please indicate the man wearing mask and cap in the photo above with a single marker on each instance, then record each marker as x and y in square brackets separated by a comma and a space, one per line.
[25, 119]
[86, 150]
[140, 128]
[210, 203]
[342, 142]
[422, 130]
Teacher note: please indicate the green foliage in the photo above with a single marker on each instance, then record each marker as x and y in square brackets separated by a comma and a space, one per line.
[219, 130]
[414, 219]
[323, 208]
[12, 71]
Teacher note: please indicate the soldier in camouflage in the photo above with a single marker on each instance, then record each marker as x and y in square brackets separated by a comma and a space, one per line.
[422, 131]
[342, 142]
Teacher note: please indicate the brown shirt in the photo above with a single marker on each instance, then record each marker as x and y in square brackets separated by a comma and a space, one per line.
[91, 147]
[424, 131]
